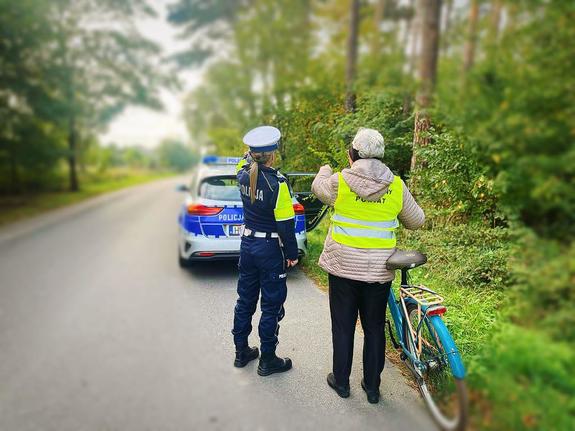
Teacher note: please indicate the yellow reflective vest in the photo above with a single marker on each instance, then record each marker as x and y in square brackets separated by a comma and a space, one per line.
[360, 223]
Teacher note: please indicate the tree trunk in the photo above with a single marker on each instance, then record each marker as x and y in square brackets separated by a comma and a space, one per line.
[408, 28]
[377, 19]
[495, 21]
[471, 42]
[447, 26]
[351, 56]
[407, 95]
[14, 176]
[416, 36]
[266, 89]
[72, 150]
[429, 50]
[70, 89]
[511, 18]
[421, 127]
[431, 14]
[406, 105]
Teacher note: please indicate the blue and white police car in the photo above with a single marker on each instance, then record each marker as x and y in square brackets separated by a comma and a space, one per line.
[211, 216]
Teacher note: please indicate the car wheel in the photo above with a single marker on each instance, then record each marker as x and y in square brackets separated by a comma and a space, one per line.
[183, 262]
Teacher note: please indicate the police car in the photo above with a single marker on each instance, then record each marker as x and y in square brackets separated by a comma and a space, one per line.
[211, 216]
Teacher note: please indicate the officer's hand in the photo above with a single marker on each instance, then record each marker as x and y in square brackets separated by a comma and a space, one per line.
[291, 263]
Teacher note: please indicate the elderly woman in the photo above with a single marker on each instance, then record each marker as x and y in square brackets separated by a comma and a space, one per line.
[368, 200]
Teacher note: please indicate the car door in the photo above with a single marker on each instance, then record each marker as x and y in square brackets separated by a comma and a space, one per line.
[314, 209]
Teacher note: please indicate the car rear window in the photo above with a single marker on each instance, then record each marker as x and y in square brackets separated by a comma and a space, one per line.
[301, 183]
[220, 189]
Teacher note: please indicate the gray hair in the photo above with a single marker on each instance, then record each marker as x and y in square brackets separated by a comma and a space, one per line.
[369, 144]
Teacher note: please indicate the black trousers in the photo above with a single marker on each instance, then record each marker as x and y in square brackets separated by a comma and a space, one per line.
[346, 299]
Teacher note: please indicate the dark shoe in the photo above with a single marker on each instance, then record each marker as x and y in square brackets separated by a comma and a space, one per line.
[270, 364]
[243, 357]
[342, 391]
[372, 395]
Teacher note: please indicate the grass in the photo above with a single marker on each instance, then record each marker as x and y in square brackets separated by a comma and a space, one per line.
[519, 376]
[19, 207]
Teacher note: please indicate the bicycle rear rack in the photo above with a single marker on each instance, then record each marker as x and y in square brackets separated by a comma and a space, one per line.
[423, 297]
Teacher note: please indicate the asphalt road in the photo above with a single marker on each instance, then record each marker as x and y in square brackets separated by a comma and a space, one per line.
[101, 330]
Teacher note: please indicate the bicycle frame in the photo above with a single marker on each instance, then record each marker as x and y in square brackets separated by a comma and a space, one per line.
[397, 314]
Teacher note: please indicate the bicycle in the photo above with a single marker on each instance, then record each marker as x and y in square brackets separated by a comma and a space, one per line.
[426, 345]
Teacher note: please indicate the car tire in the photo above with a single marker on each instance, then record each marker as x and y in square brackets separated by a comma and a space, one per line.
[183, 262]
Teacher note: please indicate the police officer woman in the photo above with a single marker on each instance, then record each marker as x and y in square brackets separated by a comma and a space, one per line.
[268, 247]
[368, 199]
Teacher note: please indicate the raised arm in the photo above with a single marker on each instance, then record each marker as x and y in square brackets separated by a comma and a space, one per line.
[325, 184]
[411, 215]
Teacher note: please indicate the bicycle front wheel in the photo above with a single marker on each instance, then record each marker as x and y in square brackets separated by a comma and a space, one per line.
[435, 371]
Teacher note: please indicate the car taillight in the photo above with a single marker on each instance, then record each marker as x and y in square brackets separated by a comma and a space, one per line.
[436, 311]
[202, 210]
[298, 208]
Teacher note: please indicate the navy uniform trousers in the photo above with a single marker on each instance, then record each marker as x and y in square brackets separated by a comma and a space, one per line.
[262, 268]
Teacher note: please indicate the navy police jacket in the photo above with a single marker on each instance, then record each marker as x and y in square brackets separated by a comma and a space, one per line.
[272, 210]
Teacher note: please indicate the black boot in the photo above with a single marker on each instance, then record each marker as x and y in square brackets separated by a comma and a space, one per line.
[270, 364]
[342, 390]
[244, 356]
[372, 394]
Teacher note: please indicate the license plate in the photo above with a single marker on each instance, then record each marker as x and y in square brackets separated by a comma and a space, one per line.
[235, 229]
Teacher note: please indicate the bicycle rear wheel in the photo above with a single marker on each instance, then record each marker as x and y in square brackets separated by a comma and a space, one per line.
[444, 394]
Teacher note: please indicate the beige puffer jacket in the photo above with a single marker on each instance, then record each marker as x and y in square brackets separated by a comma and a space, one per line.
[369, 179]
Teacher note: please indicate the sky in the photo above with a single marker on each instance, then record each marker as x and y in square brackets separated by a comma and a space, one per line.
[141, 126]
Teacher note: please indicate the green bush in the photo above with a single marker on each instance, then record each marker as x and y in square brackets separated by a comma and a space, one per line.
[544, 292]
[518, 111]
[473, 256]
[319, 125]
[528, 370]
[453, 181]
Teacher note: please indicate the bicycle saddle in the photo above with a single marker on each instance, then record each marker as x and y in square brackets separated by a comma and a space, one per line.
[405, 259]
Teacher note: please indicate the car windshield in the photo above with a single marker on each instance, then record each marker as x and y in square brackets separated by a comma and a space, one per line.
[220, 189]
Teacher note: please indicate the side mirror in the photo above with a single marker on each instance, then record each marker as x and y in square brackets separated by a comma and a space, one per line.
[182, 188]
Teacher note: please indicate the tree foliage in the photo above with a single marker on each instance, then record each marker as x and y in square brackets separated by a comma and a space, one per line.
[175, 155]
[67, 68]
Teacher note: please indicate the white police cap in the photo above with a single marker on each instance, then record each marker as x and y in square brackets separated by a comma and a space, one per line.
[263, 139]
